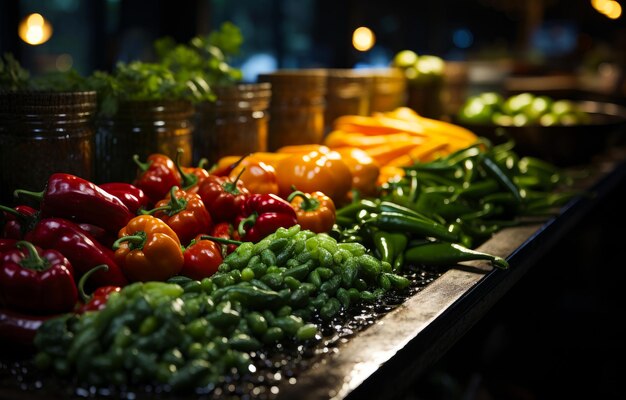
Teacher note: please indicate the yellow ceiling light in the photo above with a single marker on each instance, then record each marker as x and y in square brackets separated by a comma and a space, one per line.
[611, 8]
[614, 10]
[363, 38]
[34, 29]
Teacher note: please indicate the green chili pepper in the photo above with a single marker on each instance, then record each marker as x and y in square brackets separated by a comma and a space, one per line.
[445, 253]
[494, 169]
[397, 222]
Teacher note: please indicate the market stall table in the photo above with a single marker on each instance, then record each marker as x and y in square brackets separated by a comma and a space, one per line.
[383, 359]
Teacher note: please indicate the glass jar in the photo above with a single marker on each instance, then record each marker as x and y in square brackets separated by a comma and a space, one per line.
[348, 93]
[42, 133]
[142, 128]
[389, 89]
[235, 124]
[297, 107]
[426, 97]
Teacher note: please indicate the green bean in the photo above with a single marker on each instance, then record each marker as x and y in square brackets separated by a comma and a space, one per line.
[244, 342]
[257, 323]
[330, 308]
[306, 332]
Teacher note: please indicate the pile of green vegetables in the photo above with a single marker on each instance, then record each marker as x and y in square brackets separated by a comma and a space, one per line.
[442, 209]
[187, 334]
[521, 110]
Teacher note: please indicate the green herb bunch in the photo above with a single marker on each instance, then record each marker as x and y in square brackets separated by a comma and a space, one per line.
[14, 77]
[181, 71]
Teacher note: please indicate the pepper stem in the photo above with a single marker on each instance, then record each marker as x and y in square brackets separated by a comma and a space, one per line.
[231, 187]
[136, 241]
[12, 211]
[225, 171]
[246, 221]
[203, 162]
[83, 279]
[174, 206]
[142, 165]
[33, 260]
[308, 203]
[35, 195]
[221, 240]
[189, 179]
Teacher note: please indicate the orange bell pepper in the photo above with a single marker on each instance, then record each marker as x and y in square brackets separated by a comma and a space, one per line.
[315, 171]
[258, 177]
[364, 169]
[148, 250]
[315, 211]
[303, 148]
[261, 156]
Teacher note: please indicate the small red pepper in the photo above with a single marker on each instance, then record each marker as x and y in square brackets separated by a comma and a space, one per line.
[225, 171]
[98, 299]
[191, 177]
[225, 230]
[37, 281]
[72, 197]
[82, 249]
[199, 173]
[17, 221]
[223, 197]
[133, 197]
[184, 212]
[263, 214]
[156, 176]
[202, 257]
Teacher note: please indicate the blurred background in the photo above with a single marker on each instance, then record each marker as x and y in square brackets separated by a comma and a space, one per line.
[489, 41]
[527, 347]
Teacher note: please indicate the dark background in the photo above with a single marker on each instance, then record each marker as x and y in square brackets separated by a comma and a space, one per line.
[557, 34]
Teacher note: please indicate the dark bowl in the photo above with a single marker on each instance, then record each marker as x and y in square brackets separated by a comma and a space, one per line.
[560, 144]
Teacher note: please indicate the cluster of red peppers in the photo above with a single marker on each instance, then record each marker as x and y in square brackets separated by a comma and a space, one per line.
[169, 221]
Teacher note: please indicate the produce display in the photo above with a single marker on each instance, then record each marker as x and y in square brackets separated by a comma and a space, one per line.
[179, 278]
[189, 279]
[521, 110]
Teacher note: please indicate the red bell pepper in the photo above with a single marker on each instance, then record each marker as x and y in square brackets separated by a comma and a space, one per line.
[37, 281]
[98, 299]
[7, 244]
[262, 214]
[156, 176]
[20, 328]
[69, 196]
[225, 230]
[202, 257]
[17, 221]
[133, 197]
[184, 212]
[223, 197]
[82, 249]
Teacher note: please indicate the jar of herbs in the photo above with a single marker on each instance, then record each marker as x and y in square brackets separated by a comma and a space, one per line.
[348, 92]
[389, 89]
[142, 127]
[42, 133]
[297, 107]
[236, 123]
